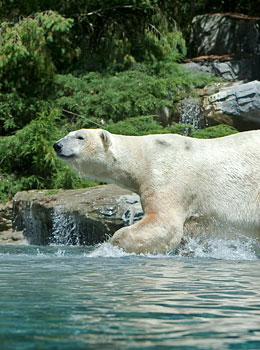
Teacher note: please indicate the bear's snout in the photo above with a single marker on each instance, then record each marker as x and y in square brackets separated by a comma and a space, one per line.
[57, 147]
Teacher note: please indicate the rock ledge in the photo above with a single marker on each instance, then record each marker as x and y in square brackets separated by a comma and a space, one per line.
[84, 216]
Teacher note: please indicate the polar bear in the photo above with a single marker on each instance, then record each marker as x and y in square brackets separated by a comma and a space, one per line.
[185, 184]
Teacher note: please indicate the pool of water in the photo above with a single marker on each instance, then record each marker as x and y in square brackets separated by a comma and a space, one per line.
[205, 296]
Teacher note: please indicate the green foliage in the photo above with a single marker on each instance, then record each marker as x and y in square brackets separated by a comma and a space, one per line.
[34, 48]
[114, 24]
[214, 131]
[29, 162]
[107, 60]
[146, 125]
[126, 94]
[51, 192]
[141, 90]
[31, 49]
[30, 53]
[110, 31]
[137, 126]
[8, 187]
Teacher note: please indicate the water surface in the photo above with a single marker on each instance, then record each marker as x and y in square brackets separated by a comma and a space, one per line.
[202, 297]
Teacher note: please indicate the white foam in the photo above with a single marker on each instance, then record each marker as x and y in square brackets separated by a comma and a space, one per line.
[39, 253]
[241, 248]
[108, 250]
[42, 254]
[60, 253]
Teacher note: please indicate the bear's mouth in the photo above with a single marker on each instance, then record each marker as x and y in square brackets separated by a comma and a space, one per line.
[66, 156]
[61, 151]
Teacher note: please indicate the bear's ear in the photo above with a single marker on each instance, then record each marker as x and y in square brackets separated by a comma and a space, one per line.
[106, 138]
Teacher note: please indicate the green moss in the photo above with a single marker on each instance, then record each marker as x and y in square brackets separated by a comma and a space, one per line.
[51, 192]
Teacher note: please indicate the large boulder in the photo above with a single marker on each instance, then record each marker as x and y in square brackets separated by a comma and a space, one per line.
[226, 45]
[220, 34]
[235, 104]
[84, 216]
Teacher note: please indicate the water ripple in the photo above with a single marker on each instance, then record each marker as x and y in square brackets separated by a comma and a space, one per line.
[62, 297]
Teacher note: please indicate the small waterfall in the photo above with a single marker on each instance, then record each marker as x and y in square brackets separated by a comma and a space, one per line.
[65, 230]
[30, 225]
[191, 113]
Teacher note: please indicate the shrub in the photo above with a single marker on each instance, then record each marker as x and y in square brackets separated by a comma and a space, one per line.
[29, 162]
[141, 90]
[146, 125]
[30, 52]
[214, 131]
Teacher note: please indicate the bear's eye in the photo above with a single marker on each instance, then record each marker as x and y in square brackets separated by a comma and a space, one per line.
[80, 137]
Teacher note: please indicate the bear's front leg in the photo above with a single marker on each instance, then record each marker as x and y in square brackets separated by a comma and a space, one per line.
[150, 235]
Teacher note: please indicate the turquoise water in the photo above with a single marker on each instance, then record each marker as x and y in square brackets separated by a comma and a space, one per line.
[58, 297]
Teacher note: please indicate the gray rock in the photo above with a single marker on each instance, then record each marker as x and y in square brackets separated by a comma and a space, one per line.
[219, 34]
[12, 237]
[246, 69]
[7, 235]
[226, 45]
[237, 105]
[84, 216]
[5, 216]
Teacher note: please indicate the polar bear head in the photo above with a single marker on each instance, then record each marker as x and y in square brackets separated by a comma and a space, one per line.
[85, 150]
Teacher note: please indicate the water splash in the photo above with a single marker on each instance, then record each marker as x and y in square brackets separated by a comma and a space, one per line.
[60, 253]
[108, 250]
[43, 253]
[39, 253]
[239, 248]
[242, 248]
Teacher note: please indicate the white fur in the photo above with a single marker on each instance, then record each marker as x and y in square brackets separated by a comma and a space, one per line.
[185, 184]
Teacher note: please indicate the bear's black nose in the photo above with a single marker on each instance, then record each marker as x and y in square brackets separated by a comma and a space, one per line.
[57, 147]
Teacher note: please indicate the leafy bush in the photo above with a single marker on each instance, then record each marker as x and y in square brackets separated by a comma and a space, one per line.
[135, 126]
[214, 131]
[141, 90]
[40, 43]
[146, 125]
[117, 97]
[29, 162]
[30, 52]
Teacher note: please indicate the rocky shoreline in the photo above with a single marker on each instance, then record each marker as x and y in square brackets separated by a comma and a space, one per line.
[7, 234]
[84, 216]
